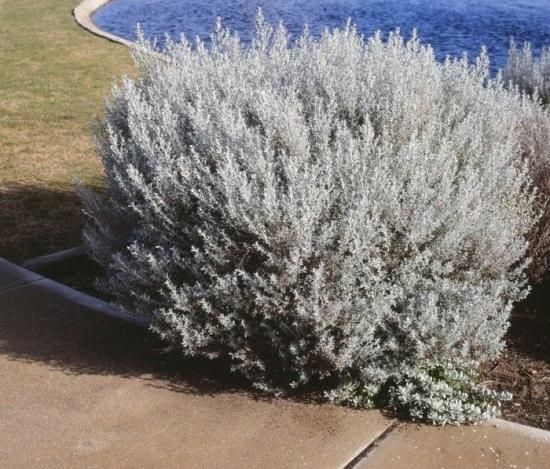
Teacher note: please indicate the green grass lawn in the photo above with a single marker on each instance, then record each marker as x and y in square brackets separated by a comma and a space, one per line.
[54, 77]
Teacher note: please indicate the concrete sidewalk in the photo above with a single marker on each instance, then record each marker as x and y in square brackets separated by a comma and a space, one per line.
[82, 389]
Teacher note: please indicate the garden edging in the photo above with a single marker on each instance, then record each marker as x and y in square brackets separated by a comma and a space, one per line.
[28, 277]
[38, 264]
[83, 16]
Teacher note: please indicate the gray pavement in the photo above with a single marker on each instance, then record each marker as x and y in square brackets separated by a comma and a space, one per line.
[80, 388]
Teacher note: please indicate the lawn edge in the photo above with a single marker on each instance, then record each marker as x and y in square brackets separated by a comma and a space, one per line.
[83, 13]
[37, 264]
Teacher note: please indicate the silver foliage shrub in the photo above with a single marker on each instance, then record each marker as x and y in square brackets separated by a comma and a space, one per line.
[338, 213]
[529, 73]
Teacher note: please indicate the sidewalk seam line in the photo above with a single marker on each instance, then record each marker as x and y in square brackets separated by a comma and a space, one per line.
[365, 453]
[19, 285]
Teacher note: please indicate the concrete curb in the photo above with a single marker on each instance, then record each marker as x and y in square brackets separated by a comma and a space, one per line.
[83, 16]
[531, 432]
[43, 262]
[91, 302]
[23, 275]
[31, 278]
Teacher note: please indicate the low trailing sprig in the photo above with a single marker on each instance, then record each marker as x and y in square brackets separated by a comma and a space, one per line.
[438, 392]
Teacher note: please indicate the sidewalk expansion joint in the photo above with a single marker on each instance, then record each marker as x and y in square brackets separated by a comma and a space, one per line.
[19, 285]
[363, 455]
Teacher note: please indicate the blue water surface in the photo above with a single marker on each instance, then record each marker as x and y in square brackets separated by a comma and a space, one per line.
[452, 27]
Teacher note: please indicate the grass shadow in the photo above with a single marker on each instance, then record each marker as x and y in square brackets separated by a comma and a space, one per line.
[36, 220]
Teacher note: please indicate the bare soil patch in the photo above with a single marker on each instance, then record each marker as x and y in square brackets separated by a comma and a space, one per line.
[524, 369]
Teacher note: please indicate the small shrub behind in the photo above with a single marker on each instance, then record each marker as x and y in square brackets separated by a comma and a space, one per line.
[530, 74]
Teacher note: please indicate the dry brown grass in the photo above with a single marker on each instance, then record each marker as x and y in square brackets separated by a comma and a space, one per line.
[53, 80]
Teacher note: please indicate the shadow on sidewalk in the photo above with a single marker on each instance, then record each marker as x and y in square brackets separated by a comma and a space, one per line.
[38, 327]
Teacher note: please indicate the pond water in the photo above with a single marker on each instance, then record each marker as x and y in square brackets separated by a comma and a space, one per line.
[450, 26]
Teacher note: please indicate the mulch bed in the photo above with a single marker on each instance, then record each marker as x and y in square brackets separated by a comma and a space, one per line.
[524, 369]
